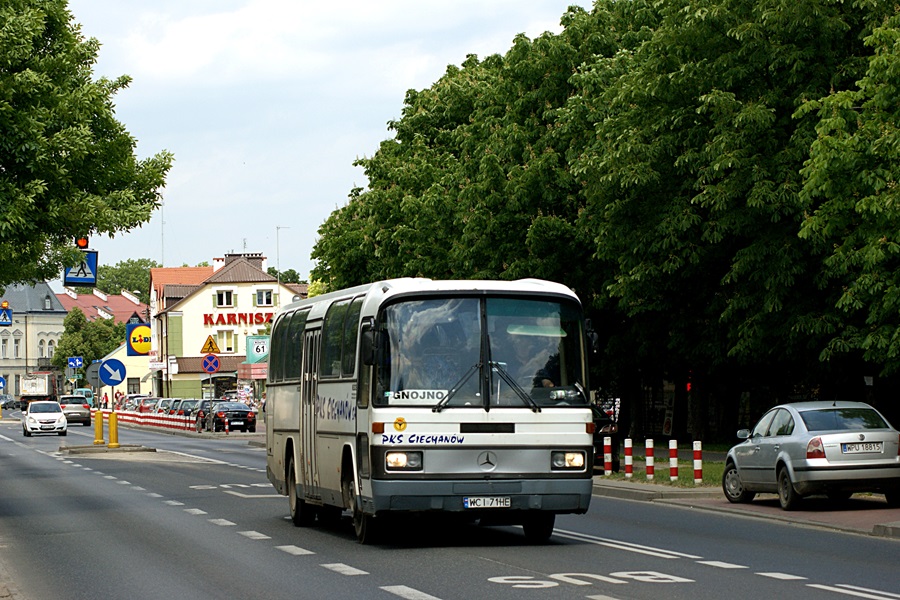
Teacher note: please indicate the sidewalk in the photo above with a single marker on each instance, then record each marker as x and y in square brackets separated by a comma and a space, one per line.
[863, 514]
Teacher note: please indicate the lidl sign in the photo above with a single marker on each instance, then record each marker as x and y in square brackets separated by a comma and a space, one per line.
[138, 338]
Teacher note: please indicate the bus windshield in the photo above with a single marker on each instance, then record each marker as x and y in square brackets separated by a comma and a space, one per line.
[480, 352]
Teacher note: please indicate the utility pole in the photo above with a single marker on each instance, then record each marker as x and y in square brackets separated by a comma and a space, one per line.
[278, 229]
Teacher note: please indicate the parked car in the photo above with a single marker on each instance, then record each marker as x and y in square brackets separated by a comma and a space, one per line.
[605, 426]
[7, 401]
[44, 416]
[76, 408]
[131, 401]
[240, 417]
[183, 408]
[806, 448]
[198, 415]
[147, 404]
[88, 393]
[162, 406]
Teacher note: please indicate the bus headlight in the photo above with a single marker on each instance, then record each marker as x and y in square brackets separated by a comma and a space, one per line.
[403, 461]
[561, 460]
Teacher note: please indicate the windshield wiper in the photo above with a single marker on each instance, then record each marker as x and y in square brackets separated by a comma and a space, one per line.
[456, 387]
[525, 396]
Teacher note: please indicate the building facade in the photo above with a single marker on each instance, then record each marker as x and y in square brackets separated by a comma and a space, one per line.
[29, 340]
[202, 318]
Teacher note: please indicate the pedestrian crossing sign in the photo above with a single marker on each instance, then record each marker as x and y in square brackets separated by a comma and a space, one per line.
[5, 317]
[85, 273]
[210, 347]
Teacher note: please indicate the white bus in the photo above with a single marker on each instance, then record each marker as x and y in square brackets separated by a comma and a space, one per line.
[413, 395]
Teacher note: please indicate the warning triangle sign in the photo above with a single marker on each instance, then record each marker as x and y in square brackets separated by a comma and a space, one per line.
[210, 347]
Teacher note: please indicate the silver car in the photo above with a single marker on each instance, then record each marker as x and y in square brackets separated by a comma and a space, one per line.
[806, 448]
[76, 408]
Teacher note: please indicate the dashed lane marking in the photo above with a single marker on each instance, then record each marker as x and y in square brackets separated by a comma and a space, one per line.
[344, 569]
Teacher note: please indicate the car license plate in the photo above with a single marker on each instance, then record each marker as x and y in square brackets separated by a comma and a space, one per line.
[861, 447]
[46, 427]
[487, 502]
[237, 422]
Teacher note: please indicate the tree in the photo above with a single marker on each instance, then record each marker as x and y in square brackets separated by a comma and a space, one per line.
[67, 166]
[289, 276]
[91, 340]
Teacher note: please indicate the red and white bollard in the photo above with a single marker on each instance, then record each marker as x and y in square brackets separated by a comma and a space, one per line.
[226, 425]
[629, 460]
[673, 460]
[607, 456]
[698, 462]
[649, 454]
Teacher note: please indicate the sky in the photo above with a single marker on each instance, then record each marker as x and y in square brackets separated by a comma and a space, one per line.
[266, 104]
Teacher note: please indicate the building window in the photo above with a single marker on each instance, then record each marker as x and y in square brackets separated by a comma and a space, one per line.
[41, 349]
[47, 303]
[224, 299]
[133, 385]
[17, 346]
[264, 298]
[226, 340]
[4, 348]
[51, 347]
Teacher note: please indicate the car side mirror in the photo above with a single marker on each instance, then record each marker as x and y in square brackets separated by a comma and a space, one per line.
[743, 434]
[367, 344]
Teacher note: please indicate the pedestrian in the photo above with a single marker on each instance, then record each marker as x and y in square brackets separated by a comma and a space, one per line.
[105, 400]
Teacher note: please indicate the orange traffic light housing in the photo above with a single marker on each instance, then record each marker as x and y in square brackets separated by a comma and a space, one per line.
[82, 242]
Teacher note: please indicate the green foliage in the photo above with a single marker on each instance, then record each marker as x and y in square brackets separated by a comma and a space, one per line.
[67, 167]
[289, 276]
[715, 178]
[131, 275]
[91, 340]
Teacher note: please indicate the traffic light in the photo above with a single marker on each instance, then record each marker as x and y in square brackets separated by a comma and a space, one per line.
[82, 242]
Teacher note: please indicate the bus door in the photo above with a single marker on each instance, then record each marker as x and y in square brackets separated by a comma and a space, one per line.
[309, 470]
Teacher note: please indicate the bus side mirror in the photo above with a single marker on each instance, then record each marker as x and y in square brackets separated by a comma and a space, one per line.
[367, 345]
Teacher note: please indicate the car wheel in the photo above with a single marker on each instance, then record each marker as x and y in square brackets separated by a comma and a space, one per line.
[302, 514]
[252, 430]
[538, 527]
[87, 423]
[62, 433]
[893, 498]
[787, 495]
[26, 433]
[733, 486]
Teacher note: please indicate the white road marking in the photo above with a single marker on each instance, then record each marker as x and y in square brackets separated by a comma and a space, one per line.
[254, 496]
[254, 535]
[173, 503]
[720, 564]
[408, 592]
[195, 511]
[221, 522]
[620, 545]
[782, 576]
[852, 590]
[294, 550]
[344, 569]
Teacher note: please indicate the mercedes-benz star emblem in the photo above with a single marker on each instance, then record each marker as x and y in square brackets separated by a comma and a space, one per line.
[487, 461]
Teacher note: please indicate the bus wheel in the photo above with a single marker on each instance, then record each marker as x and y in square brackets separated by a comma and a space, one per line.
[539, 527]
[363, 525]
[302, 514]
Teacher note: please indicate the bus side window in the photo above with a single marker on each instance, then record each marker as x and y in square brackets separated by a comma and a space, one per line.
[351, 337]
[332, 334]
[294, 345]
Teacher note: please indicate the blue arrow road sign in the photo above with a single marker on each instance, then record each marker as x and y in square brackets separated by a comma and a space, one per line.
[112, 372]
[210, 363]
[75, 362]
[2, 383]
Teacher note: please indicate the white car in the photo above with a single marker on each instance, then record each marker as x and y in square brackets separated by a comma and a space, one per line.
[44, 417]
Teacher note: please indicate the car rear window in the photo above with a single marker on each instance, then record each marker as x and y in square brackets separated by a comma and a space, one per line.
[842, 419]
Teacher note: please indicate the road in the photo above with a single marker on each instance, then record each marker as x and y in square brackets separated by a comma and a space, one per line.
[197, 519]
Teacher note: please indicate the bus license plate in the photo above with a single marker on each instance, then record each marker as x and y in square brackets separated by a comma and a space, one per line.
[861, 447]
[487, 502]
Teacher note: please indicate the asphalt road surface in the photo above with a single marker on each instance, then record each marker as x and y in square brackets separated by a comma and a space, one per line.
[198, 519]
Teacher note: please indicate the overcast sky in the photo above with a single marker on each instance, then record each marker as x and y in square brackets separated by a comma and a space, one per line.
[266, 104]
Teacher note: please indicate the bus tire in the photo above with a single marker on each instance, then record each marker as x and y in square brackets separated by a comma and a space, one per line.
[363, 525]
[302, 514]
[538, 527]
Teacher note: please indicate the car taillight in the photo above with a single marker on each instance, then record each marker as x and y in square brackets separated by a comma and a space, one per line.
[87, 406]
[250, 415]
[815, 449]
[220, 414]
